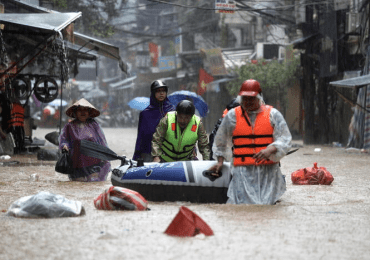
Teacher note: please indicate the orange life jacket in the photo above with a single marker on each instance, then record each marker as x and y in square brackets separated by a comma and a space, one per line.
[16, 115]
[250, 140]
[225, 112]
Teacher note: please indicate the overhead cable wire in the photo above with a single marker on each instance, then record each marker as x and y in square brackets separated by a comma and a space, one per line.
[243, 9]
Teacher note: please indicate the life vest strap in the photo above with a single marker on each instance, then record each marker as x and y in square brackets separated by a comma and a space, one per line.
[177, 158]
[251, 136]
[173, 150]
[242, 155]
[250, 145]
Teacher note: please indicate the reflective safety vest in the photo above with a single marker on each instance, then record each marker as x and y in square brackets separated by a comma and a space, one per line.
[249, 140]
[179, 146]
[16, 115]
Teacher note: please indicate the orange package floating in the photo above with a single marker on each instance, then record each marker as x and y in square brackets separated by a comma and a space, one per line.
[188, 224]
[312, 176]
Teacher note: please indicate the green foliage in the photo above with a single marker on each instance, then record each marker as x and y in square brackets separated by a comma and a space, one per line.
[275, 78]
[271, 74]
[96, 15]
[60, 4]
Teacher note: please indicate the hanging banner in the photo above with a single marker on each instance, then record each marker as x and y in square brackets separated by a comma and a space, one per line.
[154, 53]
[166, 63]
[204, 79]
[213, 61]
[225, 6]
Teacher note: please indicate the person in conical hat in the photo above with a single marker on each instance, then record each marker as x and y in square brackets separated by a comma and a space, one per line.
[82, 103]
[83, 127]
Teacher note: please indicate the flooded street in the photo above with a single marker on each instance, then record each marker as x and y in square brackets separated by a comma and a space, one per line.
[310, 222]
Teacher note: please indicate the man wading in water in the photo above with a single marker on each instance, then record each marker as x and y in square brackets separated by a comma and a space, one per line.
[258, 138]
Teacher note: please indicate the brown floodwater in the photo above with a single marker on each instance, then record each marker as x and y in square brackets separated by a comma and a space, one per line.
[310, 222]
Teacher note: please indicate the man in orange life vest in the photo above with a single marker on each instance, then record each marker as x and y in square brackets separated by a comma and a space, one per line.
[257, 137]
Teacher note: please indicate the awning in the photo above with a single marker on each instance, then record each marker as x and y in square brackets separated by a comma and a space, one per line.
[100, 47]
[126, 87]
[87, 42]
[48, 22]
[215, 85]
[352, 82]
[74, 51]
[121, 84]
[108, 80]
[216, 82]
[236, 58]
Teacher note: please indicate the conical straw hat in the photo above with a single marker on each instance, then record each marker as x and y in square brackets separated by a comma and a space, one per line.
[82, 103]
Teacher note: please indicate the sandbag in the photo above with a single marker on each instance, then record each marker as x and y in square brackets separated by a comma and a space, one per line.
[118, 198]
[312, 176]
[53, 137]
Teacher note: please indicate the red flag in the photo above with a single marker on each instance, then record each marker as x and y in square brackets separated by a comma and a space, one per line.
[204, 79]
[154, 53]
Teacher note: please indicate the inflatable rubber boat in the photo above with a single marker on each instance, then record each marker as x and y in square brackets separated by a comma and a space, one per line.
[174, 181]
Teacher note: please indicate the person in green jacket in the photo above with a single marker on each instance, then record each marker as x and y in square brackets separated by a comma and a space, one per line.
[177, 134]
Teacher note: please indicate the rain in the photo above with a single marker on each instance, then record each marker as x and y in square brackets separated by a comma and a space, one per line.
[311, 61]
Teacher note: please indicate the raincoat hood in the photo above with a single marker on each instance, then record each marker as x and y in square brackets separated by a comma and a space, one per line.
[148, 121]
[154, 104]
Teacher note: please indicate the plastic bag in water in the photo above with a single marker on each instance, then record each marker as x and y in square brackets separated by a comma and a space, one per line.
[312, 176]
[45, 205]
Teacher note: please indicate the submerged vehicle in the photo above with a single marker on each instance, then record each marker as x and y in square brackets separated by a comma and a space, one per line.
[175, 181]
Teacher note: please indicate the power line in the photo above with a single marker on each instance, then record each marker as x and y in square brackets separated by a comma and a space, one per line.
[243, 3]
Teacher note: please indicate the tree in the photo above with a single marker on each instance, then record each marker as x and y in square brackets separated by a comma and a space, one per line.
[96, 15]
[274, 77]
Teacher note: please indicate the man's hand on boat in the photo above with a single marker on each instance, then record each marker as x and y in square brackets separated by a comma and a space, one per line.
[216, 169]
[157, 159]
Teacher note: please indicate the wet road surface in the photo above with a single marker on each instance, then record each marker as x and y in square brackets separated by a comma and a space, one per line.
[310, 222]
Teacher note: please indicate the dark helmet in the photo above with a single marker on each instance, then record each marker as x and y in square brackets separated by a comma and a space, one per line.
[185, 107]
[158, 84]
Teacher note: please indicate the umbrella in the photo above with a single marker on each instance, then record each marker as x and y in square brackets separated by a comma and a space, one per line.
[197, 100]
[139, 103]
[56, 103]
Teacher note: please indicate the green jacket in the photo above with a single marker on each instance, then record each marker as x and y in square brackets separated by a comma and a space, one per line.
[165, 145]
[177, 145]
